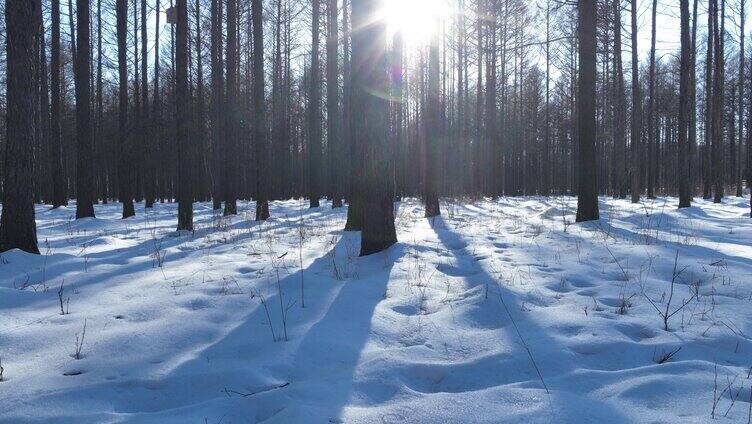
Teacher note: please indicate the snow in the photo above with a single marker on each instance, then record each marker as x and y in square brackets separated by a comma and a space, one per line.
[464, 320]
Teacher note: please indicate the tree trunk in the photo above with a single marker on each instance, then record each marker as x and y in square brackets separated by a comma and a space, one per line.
[259, 114]
[232, 113]
[84, 188]
[587, 194]
[619, 164]
[433, 128]
[57, 178]
[124, 159]
[369, 123]
[185, 160]
[636, 114]
[333, 120]
[685, 196]
[314, 113]
[652, 164]
[738, 159]
[217, 119]
[17, 224]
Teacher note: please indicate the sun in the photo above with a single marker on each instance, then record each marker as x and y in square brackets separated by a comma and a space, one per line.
[416, 20]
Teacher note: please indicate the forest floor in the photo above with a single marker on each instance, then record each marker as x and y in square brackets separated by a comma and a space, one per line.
[498, 311]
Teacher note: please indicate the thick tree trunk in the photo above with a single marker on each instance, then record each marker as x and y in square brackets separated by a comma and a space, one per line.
[369, 123]
[17, 224]
[84, 187]
[587, 194]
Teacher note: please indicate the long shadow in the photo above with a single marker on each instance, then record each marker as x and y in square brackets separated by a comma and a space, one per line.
[554, 360]
[50, 269]
[242, 374]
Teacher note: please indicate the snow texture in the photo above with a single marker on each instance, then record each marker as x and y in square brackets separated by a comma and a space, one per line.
[498, 311]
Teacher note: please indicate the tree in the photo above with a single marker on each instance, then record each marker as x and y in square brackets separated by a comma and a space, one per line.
[587, 194]
[333, 118]
[433, 128]
[124, 161]
[259, 114]
[182, 114]
[685, 196]
[651, 165]
[17, 225]
[369, 76]
[314, 111]
[717, 101]
[84, 174]
[230, 180]
[737, 158]
[636, 115]
[217, 101]
[146, 127]
[619, 160]
[57, 179]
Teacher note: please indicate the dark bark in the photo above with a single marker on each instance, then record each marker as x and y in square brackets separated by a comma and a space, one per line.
[124, 159]
[433, 130]
[369, 125]
[230, 180]
[57, 178]
[217, 118]
[587, 194]
[17, 224]
[685, 196]
[314, 114]
[333, 119]
[619, 163]
[84, 156]
[259, 114]
[636, 144]
[652, 164]
[182, 120]
[146, 131]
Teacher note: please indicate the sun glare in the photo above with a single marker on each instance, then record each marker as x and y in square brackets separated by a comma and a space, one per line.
[414, 19]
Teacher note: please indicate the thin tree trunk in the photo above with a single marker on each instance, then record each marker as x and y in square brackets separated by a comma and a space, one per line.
[685, 196]
[58, 182]
[636, 113]
[433, 129]
[259, 114]
[652, 164]
[232, 113]
[185, 151]
[314, 114]
[124, 159]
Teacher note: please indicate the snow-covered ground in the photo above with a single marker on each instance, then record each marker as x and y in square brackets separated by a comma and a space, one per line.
[499, 311]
